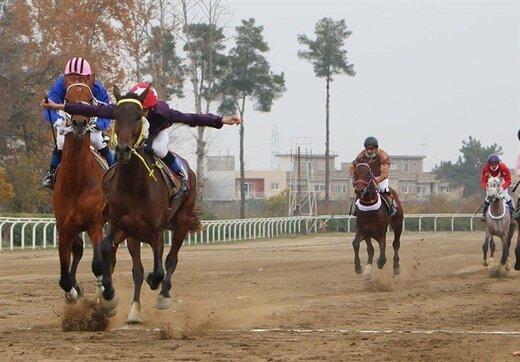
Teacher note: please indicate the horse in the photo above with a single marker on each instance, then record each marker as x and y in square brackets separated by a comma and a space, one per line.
[372, 219]
[140, 210]
[77, 199]
[498, 223]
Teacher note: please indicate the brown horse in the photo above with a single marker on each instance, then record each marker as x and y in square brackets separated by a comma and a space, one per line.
[77, 199]
[140, 210]
[373, 218]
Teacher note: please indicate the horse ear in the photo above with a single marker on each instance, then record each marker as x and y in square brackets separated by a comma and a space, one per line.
[117, 93]
[143, 95]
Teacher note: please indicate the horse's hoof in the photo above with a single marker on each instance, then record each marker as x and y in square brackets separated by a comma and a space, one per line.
[490, 262]
[163, 302]
[368, 272]
[507, 265]
[71, 296]
[517, 266]
[134, 317]
[358, 269]
[80, 290]
[151, 282]
[99, 286]
[109, 307]
[397, 270]
[381, 264]
[485, 262]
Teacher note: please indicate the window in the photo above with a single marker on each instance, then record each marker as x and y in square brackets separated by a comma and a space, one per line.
[274, 185]
[445, 189]
[338, 188]
[405, 189]
[319, 187]
[418, 189]
[393, 166]
[406, 166]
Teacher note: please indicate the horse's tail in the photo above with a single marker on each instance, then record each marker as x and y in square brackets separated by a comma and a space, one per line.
[194, 223]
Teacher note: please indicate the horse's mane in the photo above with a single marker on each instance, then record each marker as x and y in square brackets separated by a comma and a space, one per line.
[130, 95]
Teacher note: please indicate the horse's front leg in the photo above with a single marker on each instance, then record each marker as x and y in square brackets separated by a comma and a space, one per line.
[134, 247]
[357, 262]
[77, 253]
[156, 277]
[382, 251]
[108, 247]
[65, 251]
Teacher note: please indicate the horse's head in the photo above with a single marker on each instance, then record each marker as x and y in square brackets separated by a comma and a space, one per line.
[493, 188]
[128, 123]
[363, 180]
[79, 93]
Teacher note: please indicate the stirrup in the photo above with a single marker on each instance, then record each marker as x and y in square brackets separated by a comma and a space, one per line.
[48, 181]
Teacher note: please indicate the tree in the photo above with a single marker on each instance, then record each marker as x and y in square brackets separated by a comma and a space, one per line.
[204, 43]
[248, 77]
[328, 59]
[466, 171]
[6, 189]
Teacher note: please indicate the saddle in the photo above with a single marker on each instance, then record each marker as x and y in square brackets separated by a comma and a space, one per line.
[172, 181]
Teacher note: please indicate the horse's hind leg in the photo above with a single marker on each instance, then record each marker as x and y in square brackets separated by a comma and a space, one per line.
[156, 277]
[517, 249]
[485, 247]
[397, 227]
[95, 233]
[382, 251]
[134, 248]
[357, 262]
[77, 253]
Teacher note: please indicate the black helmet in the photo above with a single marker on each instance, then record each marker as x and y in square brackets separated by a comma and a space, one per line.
[371, 142]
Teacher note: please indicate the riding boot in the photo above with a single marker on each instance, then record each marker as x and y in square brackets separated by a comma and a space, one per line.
[175, 165]
[484, 211]
[390, 202]
[510, 206]
[48, 180]
[108, 155]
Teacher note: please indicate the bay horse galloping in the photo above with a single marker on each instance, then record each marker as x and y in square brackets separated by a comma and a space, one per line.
[141, 209]
[373, 218]
[78, 201]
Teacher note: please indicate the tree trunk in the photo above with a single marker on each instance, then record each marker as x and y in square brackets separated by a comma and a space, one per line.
[201, 155]
[327, 143]
[242, 164]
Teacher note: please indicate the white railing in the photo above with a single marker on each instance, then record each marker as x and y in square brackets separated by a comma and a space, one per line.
[41, 232]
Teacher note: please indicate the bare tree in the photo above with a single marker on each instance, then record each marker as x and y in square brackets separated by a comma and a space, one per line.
[204, 38]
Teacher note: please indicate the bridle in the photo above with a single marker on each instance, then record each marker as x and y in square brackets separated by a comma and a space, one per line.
[68, 117]
[367, 184]
[139, 143]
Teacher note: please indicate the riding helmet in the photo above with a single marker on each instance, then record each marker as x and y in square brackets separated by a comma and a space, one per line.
[493, 158]
[371, 142]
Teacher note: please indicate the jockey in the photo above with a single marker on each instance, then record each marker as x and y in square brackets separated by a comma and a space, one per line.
[495, 168]
[77, 70]
[160, 117]
[379, 162]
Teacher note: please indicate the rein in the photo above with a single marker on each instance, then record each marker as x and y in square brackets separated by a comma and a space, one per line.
[139, 143]
[366, 183]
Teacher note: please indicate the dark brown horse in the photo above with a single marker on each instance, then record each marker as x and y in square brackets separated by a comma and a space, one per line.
[372, 219]
[77, 199]
[140, 210]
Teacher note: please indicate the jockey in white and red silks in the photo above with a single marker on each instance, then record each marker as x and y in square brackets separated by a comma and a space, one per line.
[494, 167]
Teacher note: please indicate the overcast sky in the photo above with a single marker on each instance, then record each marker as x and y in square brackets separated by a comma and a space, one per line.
[429, 74]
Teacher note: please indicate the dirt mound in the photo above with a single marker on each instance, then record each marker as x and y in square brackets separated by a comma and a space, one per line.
[84, 315]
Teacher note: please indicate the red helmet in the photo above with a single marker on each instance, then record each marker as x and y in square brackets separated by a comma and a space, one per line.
[151, 98]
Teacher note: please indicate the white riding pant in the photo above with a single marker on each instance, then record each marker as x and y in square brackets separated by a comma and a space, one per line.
[383, 186]
[160, 143]
[96, 139]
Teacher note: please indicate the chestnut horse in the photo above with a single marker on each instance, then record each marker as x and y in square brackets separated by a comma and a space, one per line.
[373, 218]
[140, 210]
[77, 199]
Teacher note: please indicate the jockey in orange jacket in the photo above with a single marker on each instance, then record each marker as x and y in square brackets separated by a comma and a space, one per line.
[379, 162]
[495, 168]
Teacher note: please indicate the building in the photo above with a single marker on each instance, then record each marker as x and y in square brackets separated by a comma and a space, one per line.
[406, 177]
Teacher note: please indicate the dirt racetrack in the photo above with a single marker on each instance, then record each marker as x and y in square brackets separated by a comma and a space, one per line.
[301, 295]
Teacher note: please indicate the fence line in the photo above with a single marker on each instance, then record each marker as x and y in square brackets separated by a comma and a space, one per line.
[41, 232]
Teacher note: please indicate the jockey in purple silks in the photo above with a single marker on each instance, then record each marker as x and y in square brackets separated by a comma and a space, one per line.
[160, 117]
[77, 70]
